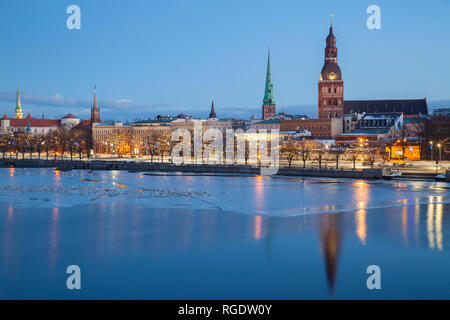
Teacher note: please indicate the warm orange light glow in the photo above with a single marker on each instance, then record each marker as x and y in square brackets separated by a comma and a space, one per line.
[361, 226]
[430, 226]
[258, 225]
[405, 225]
[119, 185]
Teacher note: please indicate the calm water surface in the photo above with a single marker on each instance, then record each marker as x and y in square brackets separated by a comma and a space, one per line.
[139, 236]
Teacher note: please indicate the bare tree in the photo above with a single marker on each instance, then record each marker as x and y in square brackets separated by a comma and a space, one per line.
[353, 154]
[4, 144]
[152, 144]
[36, 144]
[319, 155]
[304, 151]
[21, 140]
[336, 154]
[373, 154]
[119, 141]
[63, 139]
[289, 151]
[164, 145]
[47, 145]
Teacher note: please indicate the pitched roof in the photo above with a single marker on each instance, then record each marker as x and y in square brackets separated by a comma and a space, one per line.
[70, 116]
[408, 107]
[382, 130]
[269, 121]
[34, 122]
[83, 124]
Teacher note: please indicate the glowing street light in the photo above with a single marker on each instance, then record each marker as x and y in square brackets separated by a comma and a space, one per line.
[439, 146]
[431, 150]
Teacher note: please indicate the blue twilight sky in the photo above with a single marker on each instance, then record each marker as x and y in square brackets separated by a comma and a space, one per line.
[165, 57]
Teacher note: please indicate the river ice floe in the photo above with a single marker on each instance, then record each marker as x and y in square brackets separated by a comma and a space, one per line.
[279, 196]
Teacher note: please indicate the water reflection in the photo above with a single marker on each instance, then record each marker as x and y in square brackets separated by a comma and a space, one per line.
[54, 237]
[57, 175]
[361, 225]
[259, 189]
[435, 213]
[139, 242]
[8, 236]
[417, 223]
[330, 243]
[438, 225]
[361, 197]
[258, 225]
[405, 225]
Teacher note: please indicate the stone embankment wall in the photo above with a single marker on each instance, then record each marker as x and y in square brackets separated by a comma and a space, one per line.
[165, 167]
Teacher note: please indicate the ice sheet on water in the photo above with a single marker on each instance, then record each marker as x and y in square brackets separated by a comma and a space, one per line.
[281, 196]
[48, 188]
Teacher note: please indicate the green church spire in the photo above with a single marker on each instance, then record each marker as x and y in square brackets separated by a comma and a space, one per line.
[18, 112]
[269, 98]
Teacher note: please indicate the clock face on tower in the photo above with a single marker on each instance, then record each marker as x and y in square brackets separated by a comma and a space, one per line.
[332, 76]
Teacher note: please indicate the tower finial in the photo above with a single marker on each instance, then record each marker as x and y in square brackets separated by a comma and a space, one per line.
[331, 20]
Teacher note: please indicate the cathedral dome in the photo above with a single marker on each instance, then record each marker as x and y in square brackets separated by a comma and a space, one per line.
[331, 71]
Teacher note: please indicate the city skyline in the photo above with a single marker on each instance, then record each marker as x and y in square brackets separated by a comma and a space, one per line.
[233, 78]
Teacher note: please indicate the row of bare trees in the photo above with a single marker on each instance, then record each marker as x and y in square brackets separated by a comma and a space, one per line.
[123, 141]
[75, 142]
[311, 151]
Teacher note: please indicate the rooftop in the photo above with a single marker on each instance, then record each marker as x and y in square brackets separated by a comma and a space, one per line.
[407, 107]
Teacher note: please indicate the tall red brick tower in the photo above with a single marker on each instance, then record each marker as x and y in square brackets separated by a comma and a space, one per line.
[331, 85]
[95, 111]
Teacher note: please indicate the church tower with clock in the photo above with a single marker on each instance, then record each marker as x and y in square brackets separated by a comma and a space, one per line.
[331, 85]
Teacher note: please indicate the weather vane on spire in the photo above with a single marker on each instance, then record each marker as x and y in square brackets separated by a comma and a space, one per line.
[331, 19]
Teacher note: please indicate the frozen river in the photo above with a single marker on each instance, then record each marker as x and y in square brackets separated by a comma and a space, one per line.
[173, 236]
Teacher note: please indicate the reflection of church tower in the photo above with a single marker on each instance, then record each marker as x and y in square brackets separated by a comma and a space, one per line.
[18, 113]
[330, 241]
[331, 85]
[268, 108]
[95, 111]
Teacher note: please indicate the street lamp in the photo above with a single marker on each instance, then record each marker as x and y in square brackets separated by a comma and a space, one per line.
[431, 150]
[439, 146]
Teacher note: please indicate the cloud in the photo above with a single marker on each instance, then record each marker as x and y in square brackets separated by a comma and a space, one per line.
[58, 105]
[70, 104]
